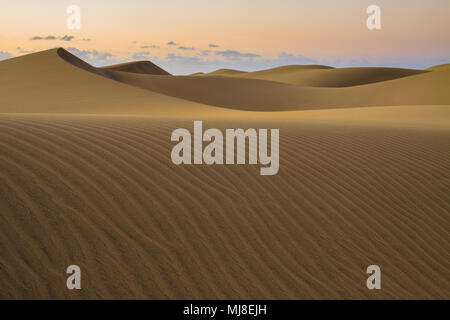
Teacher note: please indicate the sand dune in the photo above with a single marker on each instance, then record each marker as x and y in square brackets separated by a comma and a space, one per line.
[100, 192]
[145, 67]
[224, 72]
[333, 78]
[322, 76]
[272, 71]
[76, 87]
[261, 95]
[55, 81]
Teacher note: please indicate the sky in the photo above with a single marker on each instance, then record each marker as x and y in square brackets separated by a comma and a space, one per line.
[186, 36]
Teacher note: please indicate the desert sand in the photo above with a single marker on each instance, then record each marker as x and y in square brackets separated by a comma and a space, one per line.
[86, 179]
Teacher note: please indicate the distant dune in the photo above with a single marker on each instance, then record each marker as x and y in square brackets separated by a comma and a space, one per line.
[278, 70]
[86, 179]
[145, 67]
[322, 76]
[333, 78]
[225, 72]
[423, 88]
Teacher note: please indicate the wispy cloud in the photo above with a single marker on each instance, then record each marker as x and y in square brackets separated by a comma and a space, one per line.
[233, 54]
[149, 47]
[94, 57]
[171, 57]
[24, 51]
[67, 38]
[172, 43]
[203, 53]
[5, 55]
[212, 45]
[51, 37]
[186, 48]
[141, 55]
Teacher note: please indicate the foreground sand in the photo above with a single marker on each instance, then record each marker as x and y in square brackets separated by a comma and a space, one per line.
[101, 192]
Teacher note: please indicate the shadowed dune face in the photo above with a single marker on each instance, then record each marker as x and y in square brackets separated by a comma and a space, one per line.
[102, 193]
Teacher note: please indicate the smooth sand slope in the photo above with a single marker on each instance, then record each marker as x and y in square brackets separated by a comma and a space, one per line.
[356, 186]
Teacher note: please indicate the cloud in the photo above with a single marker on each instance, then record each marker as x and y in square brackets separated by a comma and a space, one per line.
[141, 55]
[5, 55]
[171, 43]
[94, 57]
[24, 51]
[232, 54]
[186, 48]
[212, 45]
[67, 38]
[204, 53]
[171, 57]
[51, 37]
[149, 47]
[287, 58]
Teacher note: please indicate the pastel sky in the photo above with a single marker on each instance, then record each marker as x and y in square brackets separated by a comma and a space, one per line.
[186, 36]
